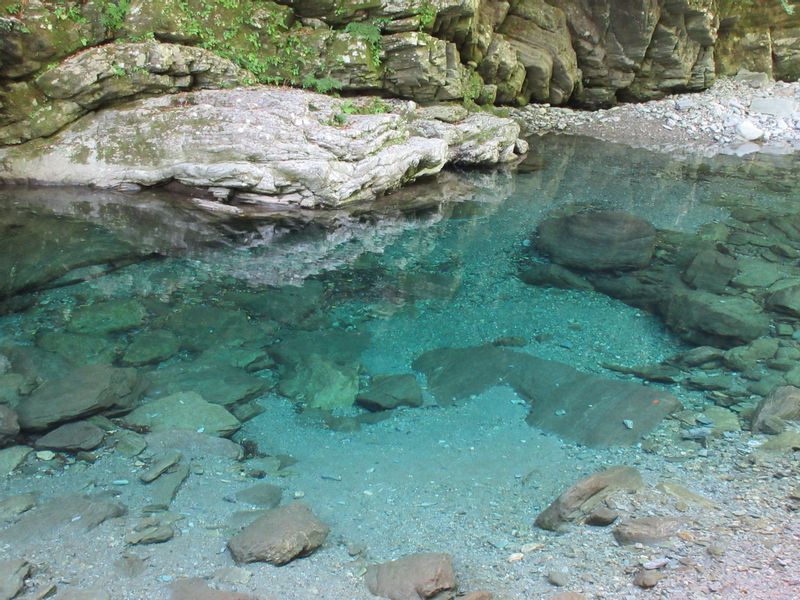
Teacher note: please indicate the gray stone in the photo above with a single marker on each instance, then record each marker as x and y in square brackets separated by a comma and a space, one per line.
[785, 298]
[11, 458]
[196, 588]
[386, 392]
[279, 536]
[783, 403]
[9, 425]
[184, 410]
[710, 270]
[646, 530]
[218, 383]
[775, 107]
[150, 347]
[107, 317]
[413, 577]
[161, 492]
[73, 437]
[598, 240]
[85, 391]
[13, 574]
[262, 494]
[13, 506]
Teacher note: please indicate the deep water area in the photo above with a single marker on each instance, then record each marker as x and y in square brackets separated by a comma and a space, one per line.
[380, 364]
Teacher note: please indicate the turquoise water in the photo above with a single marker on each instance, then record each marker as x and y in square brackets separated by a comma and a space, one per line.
[285, 324]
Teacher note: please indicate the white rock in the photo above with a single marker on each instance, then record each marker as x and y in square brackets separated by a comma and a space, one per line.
[747, 130]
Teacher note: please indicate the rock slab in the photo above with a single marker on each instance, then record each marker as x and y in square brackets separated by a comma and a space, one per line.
[279, 536]
[413, 577]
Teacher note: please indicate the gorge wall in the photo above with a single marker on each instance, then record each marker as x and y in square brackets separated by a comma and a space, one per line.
[61, 59]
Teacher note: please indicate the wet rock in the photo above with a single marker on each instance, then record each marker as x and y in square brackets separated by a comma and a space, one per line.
[161, 464]
[197, 589]
[184, 410]
[785, 298]
[558, 578]
[710, 270]
[322, 383]
[581, 500]
[783, 404]
[129, 443]
[201, 327]
[568, 596]
[152, 530]
[9, 425]
[262, 494]
[783, 442]
[73, 437]
[682, 493]
[12, 386]
[61, 515]
[82, 594]
[193, 444]
[13, 574]
[163, 490]
[756, 273]
[744, 357]
[150, 347]
[387, 392]
[78, 348]
[553, 275]
[596, 407]
[601, 516]
[598, 240]
[724, 321]
[85, 391]
[646, 530]
[11, 458]
[413, 577]
[480, 595]
[279, 536]
[107, 317]
[13, 506]
[216, 382]
[701, 356]
[722, 419]
[290, 305]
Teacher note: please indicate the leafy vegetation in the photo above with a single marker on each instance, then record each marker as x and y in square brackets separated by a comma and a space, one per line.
[370, 32]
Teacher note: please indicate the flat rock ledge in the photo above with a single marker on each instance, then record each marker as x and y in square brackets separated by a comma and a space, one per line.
[264, 145]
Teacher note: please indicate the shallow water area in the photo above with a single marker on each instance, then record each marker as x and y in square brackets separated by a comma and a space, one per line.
[295, 330]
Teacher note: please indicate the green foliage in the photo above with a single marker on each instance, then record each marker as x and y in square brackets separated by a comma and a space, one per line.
[14, 9]
[370, 32]
[323, 85]
[427, 15]
[114, 13]
[118, 70]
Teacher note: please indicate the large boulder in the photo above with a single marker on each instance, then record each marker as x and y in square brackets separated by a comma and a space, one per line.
[781, 405]
[184, 410]
[267, 144]
[598, 240]
[85, 391]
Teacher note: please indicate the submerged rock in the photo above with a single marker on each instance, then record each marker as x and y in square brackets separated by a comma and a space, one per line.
[85, 391]
[783, 404]
[578, 406]
[184, 410]
[11, 458]
[386, 392]
[196, 588]
[151, 347]
[9, 425]
[108, 316]
[279, 536]
[414, 577]
[72, 436]
[646, 530]
[598, 240]
[13, 574]
[581, 501]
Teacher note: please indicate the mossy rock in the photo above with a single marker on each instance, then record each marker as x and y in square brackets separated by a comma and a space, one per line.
[107, 317]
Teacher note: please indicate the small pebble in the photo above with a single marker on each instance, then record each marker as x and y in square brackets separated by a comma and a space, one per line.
[628, 423]
[558, 578]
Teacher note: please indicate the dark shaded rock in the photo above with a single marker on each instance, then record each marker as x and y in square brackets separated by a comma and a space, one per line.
[386, 392]
[290, 305]
[321, 383]
[706, 318]
[783, 404]
[9, 425]
[85, 391]
[108, 316]
[199, 327]
[786, 298]
[602, 516]
[647, 530]
[711, 270]
[598, 240]
[583, 498]
[78, 348]
[72, 436]
[151, 347]
[414, 577]
[279, 536]
[553, 275]
[578, 406]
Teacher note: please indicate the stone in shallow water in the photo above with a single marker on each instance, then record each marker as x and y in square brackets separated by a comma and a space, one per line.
[598, 240]
[290, 305]
[11, 458]
[9, 425]
[386, 392]
[203, 327]
[218, 383]
[108, 316]
[577, 406]
[580, 501]
[261, 494]
[78, 348]
[72, 436]
[413, 577]
[83, 392]
[322, 383]
[646, 530]
[280, 536]
[710, 270]
[13, 506]
[197, 589]
[785, 298]
[13, 574]
[783, 403]
[151, 347]
[184, 410]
